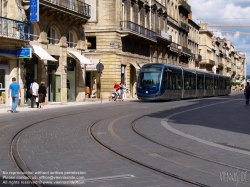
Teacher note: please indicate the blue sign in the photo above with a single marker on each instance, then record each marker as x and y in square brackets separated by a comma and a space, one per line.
[34, 10]
[24, 53]
[7, 52]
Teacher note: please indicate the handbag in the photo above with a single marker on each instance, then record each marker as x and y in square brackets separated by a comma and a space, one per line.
[36, 99]
[30, 90]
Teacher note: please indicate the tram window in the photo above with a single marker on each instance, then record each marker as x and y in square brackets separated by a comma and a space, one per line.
[170, 81]
[179, 81]
[215, 83]
[164, 81]
[200, 82]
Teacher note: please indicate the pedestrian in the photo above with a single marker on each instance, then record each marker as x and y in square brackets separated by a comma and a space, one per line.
[247, 93]
[42, 92]
[14, 88]
[116, 86]
[123, 89]
[34, 86]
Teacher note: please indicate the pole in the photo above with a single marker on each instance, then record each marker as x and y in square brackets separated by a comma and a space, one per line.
[101, 86]
[85, 84]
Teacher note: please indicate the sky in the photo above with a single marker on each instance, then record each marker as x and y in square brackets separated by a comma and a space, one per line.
[226, 12]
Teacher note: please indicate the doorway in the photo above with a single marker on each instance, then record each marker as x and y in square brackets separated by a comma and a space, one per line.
[4, 82]
[54, 84]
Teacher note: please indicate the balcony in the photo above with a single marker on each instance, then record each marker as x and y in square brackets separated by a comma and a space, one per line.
[185, 5]
[208, 61]
[187, 51]
[14, 29]
[128, 27]
[183, 26]
[64, 9]
[174, 47]
[160, 34]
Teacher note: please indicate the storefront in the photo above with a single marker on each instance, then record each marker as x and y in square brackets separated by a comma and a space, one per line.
[4, 82]
[54, 81]
[28, 74]
[92, 80]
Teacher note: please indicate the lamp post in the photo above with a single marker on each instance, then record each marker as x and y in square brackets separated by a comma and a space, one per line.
[100, 68]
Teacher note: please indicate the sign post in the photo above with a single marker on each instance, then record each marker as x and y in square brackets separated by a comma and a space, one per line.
[100, 68]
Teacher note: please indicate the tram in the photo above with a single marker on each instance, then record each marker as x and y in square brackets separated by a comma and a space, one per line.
[158, 81]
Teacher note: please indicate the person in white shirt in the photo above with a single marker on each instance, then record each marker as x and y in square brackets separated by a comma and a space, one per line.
[34, 95]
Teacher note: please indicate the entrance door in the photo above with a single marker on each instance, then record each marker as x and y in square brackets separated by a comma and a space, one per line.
[54, 83]
[4, 77]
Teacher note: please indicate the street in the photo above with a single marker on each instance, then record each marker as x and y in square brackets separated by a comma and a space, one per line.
[195, 142]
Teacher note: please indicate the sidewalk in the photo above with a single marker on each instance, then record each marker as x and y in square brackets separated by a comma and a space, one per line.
[4, 109]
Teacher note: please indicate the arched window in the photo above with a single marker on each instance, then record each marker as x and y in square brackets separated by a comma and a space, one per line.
[71, 40]
[52, 36]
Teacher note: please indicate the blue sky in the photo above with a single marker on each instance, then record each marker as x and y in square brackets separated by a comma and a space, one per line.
[226, 12]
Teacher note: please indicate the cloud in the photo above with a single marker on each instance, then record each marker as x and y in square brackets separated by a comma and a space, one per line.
[226, 12]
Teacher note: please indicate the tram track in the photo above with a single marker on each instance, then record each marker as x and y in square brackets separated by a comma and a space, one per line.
[16, 158]
[182, 151]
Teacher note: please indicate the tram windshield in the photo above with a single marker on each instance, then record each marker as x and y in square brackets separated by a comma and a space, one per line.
[149, 80]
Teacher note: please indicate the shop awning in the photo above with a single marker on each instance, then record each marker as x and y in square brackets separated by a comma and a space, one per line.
[135, 65]
[92, 67]
[41, 53]
[79, 57]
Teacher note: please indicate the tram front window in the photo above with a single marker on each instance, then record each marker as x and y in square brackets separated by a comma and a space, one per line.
[148, 80]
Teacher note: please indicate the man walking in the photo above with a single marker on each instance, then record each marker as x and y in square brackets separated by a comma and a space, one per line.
[34, 86]
[247, 93]
[14, 88]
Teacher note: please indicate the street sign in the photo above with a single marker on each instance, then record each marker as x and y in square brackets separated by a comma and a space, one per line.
[34, 10]
[100, 67]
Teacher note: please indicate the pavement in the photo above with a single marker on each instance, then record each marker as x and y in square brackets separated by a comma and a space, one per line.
[27, 108]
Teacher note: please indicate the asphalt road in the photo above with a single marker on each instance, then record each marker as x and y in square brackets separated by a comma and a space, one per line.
[200, 140]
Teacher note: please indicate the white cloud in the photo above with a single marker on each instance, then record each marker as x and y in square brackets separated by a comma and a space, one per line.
[225, 12]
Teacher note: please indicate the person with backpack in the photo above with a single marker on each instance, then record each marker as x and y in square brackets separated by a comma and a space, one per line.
[247, 93]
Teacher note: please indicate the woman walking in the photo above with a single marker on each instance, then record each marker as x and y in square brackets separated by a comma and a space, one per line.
[42, 94]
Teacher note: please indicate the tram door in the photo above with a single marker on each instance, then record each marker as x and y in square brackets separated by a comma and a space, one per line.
[3, 84]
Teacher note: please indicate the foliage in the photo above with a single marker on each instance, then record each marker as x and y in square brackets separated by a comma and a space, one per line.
[236, 84]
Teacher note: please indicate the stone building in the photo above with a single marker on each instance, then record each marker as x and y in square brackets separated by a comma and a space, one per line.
[219, 55]
[193, 44]
[56, 40]
[124, 35]
[14, 32]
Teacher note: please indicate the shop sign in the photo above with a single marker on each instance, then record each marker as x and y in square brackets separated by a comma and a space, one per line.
[24, 53]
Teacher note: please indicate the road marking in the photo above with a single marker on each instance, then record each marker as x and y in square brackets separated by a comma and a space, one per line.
[165, 124]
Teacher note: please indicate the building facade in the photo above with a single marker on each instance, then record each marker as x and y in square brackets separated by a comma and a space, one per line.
[56, 40]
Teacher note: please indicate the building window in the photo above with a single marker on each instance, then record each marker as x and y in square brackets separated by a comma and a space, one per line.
[92, 41]
[71, 40]
[52, 36]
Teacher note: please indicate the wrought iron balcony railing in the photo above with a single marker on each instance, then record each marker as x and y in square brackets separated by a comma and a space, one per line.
[10, 28]
[128, 25]
[211, 62]
[186, 50]
[163, 34]
[74, 5]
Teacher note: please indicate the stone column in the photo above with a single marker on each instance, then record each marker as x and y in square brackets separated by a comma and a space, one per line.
[62, 63]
